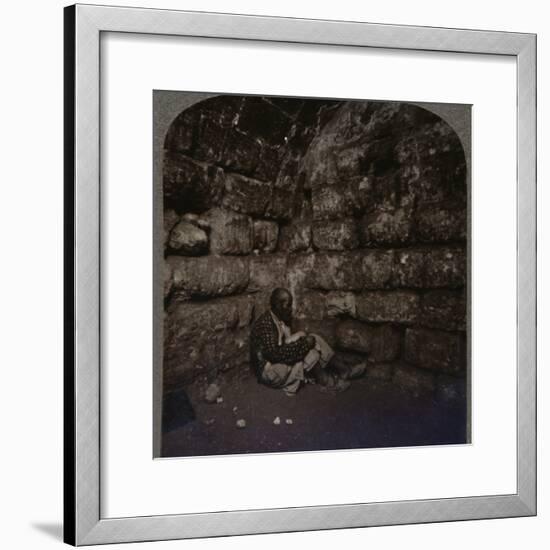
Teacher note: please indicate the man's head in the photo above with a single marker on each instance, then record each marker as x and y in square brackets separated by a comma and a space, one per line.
[281, 304]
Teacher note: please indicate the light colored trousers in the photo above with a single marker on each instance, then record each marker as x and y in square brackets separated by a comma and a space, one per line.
[290, 377]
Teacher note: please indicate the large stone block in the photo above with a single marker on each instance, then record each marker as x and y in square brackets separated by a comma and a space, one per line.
[261, 299]
[310, 304]
[223, 110]
[377, 268]
[295, 237]
[281, 204]
[380, 343]
[218, 314]
[230, 233]
[332, 202]
[339, 304]
[298, 269]
[435, 350]
[246, 195]
[315, 305]
[408, 269]
[188, 239]
[168, 278]
[386, 227]
[189, 185]
[269, 163]
[267, 271]
[204, 355]
[208, 276]
[170, 219]
[241, 153]
[210, 141]
[445, 267]
[206, 336]
[393, 306]
[436, 223]
[433, 164]
[265, 235]
[335, 234]
[336, 271]
[444, 309]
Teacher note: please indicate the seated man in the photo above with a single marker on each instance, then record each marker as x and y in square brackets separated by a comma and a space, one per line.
[281, 359]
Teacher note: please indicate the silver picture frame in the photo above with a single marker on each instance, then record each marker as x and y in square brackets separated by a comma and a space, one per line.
[83, 523]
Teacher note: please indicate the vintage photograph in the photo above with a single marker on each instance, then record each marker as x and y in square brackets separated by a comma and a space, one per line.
[311, 273]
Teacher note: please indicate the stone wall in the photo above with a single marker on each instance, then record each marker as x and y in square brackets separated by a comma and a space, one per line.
[360, 208]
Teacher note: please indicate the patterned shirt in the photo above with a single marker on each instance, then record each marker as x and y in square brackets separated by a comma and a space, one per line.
[265, 346]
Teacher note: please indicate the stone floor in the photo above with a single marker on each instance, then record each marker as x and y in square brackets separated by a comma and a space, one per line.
[369, 414]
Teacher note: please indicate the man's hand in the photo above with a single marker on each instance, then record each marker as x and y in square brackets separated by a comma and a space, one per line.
[310, 341]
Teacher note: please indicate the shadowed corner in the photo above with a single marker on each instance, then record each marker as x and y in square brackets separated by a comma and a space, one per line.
[177, 410]
[54, 530]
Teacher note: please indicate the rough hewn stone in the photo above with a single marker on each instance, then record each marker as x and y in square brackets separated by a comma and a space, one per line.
[170, 218]
[432, 163]
[435, 349]
[408, 269]
[444, 309]
[246, 195]
[204, 354]
[377, 268]
[394, 306]
[295, 237]
[310, 305]
[440, 223]
[281, 204]
[418, 382]
[182, 132]
[445, 267]
[168, 278]
[267, 271]
[265, 235]
[201, 337]
[210, 141]
[380, 343]
[269, 163]
[190, 318]
[241, 153]
[298, 269]
[188, 239]
[340, 304]
[190, 185]
[335, 176]
[336, 271]
[230, 233]
[332, 202]
[335, 234]
[386, 227]
[208, 276]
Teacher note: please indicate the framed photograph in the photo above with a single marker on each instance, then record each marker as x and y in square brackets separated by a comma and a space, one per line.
[299, 274]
